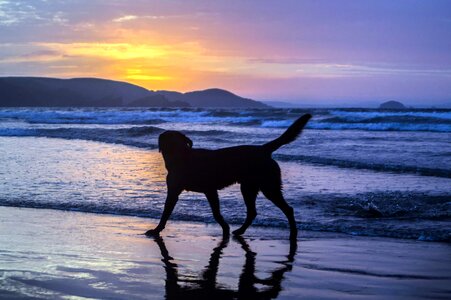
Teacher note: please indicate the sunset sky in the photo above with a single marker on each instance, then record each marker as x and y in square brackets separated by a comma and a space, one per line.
[300, 51]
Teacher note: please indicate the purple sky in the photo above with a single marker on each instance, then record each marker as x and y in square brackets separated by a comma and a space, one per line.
[315, 52]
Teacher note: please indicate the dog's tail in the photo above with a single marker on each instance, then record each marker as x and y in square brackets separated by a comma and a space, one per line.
[289, 135]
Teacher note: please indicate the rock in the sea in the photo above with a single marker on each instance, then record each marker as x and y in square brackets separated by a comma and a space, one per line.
[392, 105]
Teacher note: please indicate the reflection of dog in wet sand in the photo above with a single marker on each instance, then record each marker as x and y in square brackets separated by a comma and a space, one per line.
[207, 171]
[205, 286]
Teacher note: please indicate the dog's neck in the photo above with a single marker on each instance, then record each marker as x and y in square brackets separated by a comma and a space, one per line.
[174, 161]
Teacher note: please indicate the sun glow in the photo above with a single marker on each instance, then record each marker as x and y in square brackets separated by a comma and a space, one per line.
[138, 74]
[148, 64]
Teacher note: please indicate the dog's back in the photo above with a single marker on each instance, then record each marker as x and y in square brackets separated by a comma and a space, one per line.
[215, 169]
[201, 170]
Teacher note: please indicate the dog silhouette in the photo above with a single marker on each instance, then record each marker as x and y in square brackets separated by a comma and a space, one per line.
[207, 171]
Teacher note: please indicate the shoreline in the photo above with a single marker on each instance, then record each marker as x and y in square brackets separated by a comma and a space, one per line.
[55, 254]
[255, 226]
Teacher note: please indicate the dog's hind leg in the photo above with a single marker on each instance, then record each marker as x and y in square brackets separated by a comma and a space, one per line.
[213, 199]
[273, 192]
[250, 195]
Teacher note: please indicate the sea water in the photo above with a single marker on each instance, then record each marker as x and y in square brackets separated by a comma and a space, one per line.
[357, 171]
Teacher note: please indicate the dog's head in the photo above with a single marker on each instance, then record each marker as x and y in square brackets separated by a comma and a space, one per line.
[174, 142]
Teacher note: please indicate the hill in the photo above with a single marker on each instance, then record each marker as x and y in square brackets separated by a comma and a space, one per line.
[212, 98]
[41, 91]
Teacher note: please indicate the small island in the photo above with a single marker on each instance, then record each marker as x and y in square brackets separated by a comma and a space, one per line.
[392, 105]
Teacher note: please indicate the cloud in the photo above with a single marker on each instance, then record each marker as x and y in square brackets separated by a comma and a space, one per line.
[125, 18]
[12, 12]
[117, 51]
[15, 13]
[20, 53]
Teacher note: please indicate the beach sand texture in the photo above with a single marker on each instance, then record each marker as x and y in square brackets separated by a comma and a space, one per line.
[48, 254]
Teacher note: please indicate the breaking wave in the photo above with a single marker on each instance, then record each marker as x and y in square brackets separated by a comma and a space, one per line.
[324, 119]
[366, 165]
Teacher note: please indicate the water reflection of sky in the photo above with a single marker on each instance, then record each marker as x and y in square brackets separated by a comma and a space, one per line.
[52, 170]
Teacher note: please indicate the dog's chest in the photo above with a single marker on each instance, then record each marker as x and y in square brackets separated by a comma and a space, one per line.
[202, 179]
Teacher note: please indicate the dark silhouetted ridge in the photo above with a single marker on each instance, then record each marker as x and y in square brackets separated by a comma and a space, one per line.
[96, 92]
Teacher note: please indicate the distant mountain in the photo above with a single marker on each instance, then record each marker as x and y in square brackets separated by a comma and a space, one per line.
[392, 105]
[41, 91]
[212, 98]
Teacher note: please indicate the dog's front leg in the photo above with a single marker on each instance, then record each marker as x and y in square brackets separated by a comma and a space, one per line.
[171, 200]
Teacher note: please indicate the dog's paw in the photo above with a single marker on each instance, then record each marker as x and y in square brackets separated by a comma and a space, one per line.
[152, 232]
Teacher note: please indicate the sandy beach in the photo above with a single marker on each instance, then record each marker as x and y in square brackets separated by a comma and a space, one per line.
[50, 254]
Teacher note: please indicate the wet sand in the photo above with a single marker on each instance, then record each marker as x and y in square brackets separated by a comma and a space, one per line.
[50, 254]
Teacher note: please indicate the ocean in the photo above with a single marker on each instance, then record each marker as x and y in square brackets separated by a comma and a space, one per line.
[356, 171]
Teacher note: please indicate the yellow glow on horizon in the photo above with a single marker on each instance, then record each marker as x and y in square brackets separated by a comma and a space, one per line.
[147, 77]
[151, 65]
[138, 74]
[155, 65]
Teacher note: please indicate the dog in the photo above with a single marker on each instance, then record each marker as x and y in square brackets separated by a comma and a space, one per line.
[207, 171]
